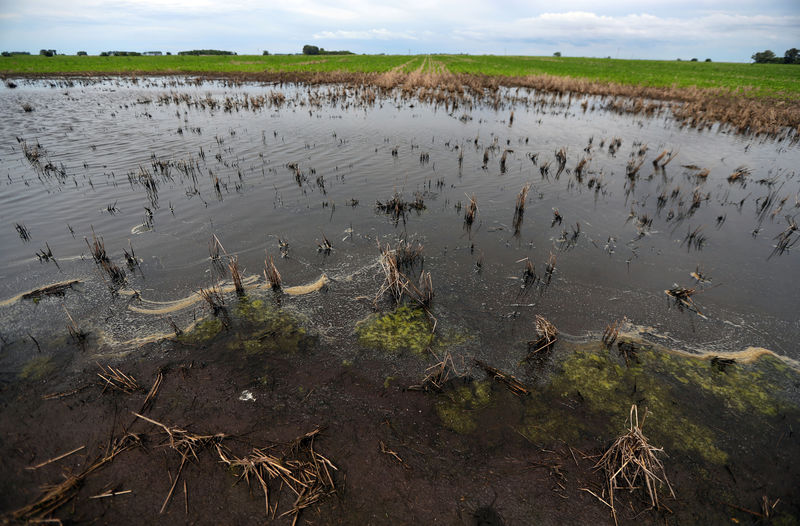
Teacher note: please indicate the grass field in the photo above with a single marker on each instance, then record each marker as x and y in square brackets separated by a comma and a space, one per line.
[752, 80]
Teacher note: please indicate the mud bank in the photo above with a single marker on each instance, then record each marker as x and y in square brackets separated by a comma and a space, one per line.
[471, 452]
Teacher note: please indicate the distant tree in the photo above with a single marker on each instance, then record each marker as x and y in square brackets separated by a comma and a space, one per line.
[206, 52]
[265, 53]
[694, 60]
[310, 50]
[82, 53]
[763, 57]
[557, 54]
[679, 60]
[47, 52]
[169, 52]
[6, 54]
[792, 56]
[708, 60]
[104, 53]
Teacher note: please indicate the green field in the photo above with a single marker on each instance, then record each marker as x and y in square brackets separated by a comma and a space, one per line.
[754, 80]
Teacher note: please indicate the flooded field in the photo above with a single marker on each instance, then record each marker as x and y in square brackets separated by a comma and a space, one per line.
[588, 258]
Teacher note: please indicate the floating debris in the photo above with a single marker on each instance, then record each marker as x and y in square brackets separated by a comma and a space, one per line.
[56, 289]
[514, 385]
[683, 298]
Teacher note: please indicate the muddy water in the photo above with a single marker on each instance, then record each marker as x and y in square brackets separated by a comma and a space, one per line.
[100, 137]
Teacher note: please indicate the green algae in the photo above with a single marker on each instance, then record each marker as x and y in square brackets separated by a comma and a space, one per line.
[541, 424]
[404, 329]
[457, 407]
[204, 331]
[38, 368]
[742, 388]
[610, 388]
[590, 392]
[270, 329]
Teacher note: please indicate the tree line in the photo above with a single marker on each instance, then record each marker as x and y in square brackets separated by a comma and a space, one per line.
[314, 50]
[792, 56]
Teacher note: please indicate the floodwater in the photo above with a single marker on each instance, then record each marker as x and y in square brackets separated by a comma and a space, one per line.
[617, 249]
[165, 167]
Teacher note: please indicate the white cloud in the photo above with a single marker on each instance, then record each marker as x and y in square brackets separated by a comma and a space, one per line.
[729, 29]
[370, 34]
[584, 26]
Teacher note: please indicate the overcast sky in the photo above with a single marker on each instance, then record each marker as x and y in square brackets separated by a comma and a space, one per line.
[730, 30]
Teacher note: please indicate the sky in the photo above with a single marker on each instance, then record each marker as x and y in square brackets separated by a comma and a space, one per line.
[730, 30]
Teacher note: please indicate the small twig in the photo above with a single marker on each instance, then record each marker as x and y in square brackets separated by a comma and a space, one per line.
[174, 483]
[152, 394]
[392, 454]
[55, 459]
[111, 494]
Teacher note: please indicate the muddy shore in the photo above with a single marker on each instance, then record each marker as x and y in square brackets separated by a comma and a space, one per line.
[397, 461]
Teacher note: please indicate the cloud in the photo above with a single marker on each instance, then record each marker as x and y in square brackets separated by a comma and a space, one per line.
[732, 29]
[583, 26]
[370, 34]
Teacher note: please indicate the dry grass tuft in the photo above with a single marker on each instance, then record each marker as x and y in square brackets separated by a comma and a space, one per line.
[271, 273]
[472, 209]
[396, 283]
[301, 469]
[611, 333]
[519, 208]
[631, 463]
[439, 374]
[546, 336]
[739, 174]
[97, 248]
[214, 299]
[233, 266]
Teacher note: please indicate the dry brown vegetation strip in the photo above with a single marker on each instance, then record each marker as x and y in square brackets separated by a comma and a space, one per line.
[432, 82]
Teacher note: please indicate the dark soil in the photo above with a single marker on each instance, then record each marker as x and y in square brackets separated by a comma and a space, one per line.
[492, 477]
